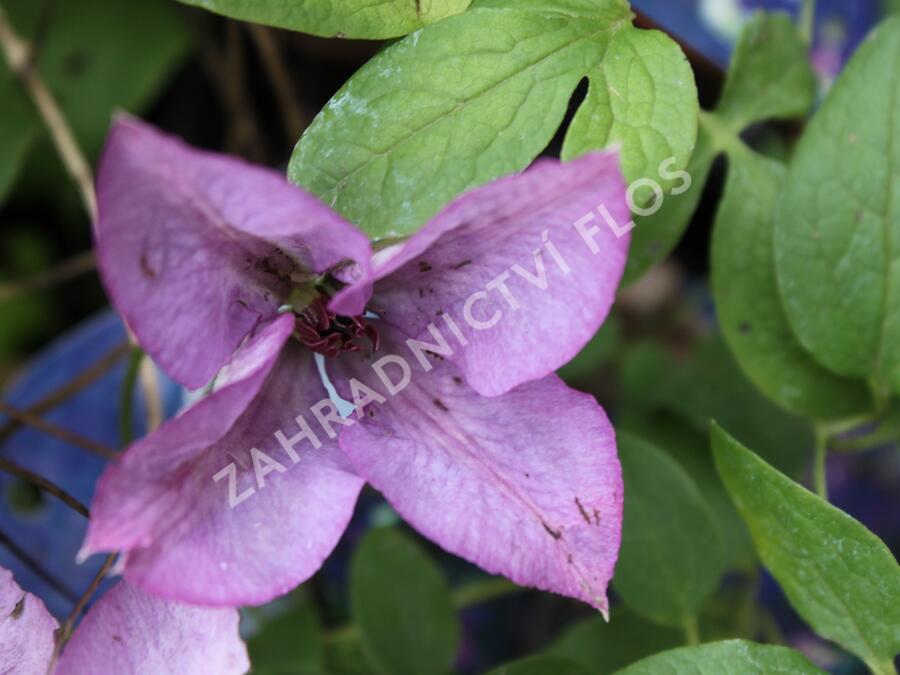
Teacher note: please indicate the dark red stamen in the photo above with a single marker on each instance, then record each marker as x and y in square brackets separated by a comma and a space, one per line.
[329, 334]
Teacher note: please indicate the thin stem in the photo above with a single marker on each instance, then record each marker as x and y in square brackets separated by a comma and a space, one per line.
[84, 379]
[18, 56]
[68, 269]
[292, 111]
[126, 407]
[886, 668]
[14, 469]
[58, 432]
[820, 478]
[149, 380]
[65, 631]
[35, 566]
[808, 21]
[691, 632]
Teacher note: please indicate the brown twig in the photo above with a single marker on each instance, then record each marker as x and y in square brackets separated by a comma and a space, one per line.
[68, 269]
[18, 55]
[35, 566]
[84, 379]
[293, 115]
[14, 469]
[56, 431]
[65, 631]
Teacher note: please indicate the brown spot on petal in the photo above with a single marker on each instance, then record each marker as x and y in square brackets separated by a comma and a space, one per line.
[460, 265]
[584, 514]
[457, 379]
[556, 534]
[424, 266]
[440, 405]
[18, 610]
[146, 268]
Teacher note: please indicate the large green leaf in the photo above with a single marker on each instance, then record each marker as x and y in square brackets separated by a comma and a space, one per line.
[642, 97]
[402, 606]
[290, 642]
[711, 386]
[17, 128]
[98, 56]
[837, 232]
[449, 107]
[770, 75]
[95, 57]
[838, 576]
[603, 647]
[596, 354]
[672, 555]
[655, 236]
[749, 307]
[690, 448]
[374, 19]
[735, 657]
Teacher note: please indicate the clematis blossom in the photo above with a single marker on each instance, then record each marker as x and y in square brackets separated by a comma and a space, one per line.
[445, 343]
[126, 631]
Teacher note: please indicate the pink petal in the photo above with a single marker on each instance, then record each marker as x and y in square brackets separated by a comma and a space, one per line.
[26, 630]
[527, 484]
[162, 505]
[497, 230]
[131, 633]
[195, 248]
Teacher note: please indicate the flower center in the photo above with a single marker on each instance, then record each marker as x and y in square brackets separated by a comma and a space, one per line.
[329, 334]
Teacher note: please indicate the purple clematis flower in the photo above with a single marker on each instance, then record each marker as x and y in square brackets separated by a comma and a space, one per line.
[446, 345]
[126, 631]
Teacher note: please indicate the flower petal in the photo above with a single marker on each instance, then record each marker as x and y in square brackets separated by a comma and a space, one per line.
[26, 630]
[527, 484]
[195, 248]
[168, 502]
[130, 632]
[494, 234]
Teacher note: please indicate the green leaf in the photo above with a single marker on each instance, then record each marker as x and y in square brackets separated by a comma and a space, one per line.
[711, 386]
[595, 354]
[452, 106]
[372, 19]
[735, 657]
[644, 98]
[289, 643]
[671, 556]
[603, 647]
[838, 576]
[837, 231]
[770, 75]
[541, 665]
[655, 236]
[691, 450]
[749, 307]
[17, 129]
[402, 605]
[98, 57]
